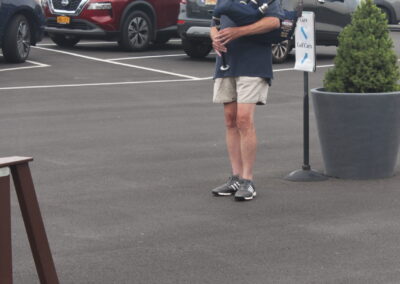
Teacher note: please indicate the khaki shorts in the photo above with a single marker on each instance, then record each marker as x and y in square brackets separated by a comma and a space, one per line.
[247, 90]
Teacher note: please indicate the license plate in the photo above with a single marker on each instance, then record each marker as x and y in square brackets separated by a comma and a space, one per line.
[64, 20]
[211, 2]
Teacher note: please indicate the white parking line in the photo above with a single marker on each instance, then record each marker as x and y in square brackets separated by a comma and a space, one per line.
[36, 65]
[129, 82]
[284, 69]
[80, 43]
[292, 69]
[147, 57]
[118, 63]
[151, 56]
[102, 84]
[96, 42]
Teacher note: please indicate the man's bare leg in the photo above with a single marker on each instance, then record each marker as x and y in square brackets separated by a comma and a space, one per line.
[233, 138]
[248, 138]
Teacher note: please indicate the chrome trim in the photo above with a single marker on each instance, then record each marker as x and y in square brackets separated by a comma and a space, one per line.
[66, 12]
[66, 31]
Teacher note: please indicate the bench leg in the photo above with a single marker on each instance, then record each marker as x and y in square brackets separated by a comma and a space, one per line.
[5, 231]
[34, 224]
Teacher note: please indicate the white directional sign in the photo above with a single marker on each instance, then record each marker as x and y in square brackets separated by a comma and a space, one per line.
[305, 42]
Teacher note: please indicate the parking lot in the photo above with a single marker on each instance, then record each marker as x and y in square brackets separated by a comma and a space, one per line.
[127, 147]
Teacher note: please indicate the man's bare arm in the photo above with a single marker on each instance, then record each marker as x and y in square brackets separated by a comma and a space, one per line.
[263, 25]
[218, 47]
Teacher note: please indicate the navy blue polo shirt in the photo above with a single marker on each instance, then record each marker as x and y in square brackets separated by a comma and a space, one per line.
[247, 57]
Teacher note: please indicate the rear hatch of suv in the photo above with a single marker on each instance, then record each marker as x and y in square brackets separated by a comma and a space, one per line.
[200, 9]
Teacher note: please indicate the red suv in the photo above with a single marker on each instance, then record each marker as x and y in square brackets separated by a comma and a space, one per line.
[133, 23]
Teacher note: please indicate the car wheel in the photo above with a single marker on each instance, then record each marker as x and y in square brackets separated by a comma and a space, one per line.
[196, 48]
[137, 32]
[280, 51]
[387, 13]
[17, 40]
[64, 40]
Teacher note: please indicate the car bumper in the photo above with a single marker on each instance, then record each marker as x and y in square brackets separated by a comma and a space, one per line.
[96, 22]
[194, 29]
[76, 27]
[200, 32]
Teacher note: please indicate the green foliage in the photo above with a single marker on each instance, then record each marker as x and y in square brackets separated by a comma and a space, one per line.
[366, 61]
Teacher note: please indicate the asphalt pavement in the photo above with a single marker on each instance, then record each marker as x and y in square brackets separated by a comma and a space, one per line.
[126, 149]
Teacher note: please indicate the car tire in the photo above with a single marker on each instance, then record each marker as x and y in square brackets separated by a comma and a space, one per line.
[196, 48]
[137, 32]
[388, 16]
[17, 40]
[281, 51]
[64, 40]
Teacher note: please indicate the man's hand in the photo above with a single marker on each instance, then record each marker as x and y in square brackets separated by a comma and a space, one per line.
[228, 34]
[263, 25]
[224, 36]
[216, 43]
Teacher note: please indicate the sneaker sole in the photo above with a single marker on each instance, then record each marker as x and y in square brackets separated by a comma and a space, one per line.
[222, 194]
[246, 198]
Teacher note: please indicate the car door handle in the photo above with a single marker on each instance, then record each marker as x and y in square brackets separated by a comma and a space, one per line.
[321, 1]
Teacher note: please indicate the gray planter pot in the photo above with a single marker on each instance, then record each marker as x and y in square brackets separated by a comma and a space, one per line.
[359, 133]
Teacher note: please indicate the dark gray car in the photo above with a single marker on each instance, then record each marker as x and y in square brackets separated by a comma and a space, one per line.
[21, 25]
[330, 17]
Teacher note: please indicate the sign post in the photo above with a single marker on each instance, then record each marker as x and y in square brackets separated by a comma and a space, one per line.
[305, 61]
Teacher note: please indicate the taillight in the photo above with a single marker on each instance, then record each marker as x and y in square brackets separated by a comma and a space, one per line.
[180, 22]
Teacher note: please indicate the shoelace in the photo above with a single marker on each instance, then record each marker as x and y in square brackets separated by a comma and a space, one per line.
[233, 182]
[247, 186]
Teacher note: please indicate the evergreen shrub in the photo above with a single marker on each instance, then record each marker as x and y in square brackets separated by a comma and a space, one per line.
[366, 61]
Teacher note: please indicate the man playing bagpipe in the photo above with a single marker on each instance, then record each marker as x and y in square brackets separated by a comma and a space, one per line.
[239, 88]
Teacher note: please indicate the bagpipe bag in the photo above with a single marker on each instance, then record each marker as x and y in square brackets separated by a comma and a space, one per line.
[247, 13]
[241, 13]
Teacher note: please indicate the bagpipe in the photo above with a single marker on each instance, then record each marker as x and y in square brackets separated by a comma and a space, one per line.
[249, 11]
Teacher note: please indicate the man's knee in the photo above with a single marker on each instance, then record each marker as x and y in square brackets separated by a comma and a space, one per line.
[230, 120]
[244, 122]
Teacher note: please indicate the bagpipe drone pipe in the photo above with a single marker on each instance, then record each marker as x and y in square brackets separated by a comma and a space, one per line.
[249, 11]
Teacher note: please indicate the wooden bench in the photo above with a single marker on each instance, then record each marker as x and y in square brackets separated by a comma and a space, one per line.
[32, 218]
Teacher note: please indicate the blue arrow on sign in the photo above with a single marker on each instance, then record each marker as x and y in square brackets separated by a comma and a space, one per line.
[304, 58]
[304, 33]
